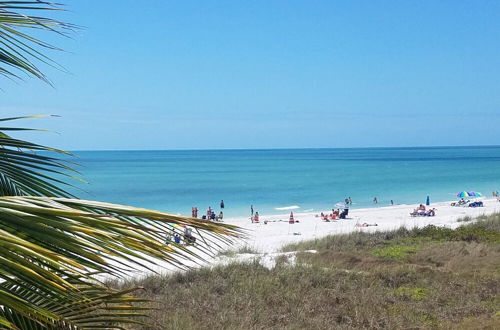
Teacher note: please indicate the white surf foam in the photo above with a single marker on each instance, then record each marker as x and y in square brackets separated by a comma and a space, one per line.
[284, 208]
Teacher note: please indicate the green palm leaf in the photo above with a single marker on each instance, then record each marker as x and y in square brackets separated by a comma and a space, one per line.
[52, 246]
[27, 169]
[18, 50]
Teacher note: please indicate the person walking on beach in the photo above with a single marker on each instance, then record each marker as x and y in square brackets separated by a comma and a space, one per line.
[375, 201]
[251, 209]
[392, 202]
[222, 204]
[209, 213]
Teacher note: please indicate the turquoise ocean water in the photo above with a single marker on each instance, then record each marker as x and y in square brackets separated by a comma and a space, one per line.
[313, 179]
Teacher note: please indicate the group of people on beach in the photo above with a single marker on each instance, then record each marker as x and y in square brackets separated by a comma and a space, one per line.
[335, 215]
[187, 237]
[210, 215]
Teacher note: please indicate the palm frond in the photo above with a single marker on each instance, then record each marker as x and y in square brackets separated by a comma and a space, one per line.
[27, 169]
[20, 51]
[51, 249]
[98, 308]
[52, 246]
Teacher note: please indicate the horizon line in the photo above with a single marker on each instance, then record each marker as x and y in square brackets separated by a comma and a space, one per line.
[299, 148]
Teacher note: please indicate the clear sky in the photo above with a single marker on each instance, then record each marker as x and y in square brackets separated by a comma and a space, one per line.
[269, 74]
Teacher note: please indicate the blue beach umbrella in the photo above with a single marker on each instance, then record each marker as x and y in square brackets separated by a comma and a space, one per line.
[475, 194]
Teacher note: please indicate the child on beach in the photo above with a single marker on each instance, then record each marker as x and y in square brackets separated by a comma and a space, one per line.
[177, 239]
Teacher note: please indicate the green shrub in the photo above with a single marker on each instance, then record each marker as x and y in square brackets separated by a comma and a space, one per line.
[398, 252]
[413, 293]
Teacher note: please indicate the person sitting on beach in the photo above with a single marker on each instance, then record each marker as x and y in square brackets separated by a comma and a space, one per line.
[255, 218]
[430, 213]
[168, 239]
[212, 216]
[221, 216]
[177, 239]
[365, 224]
[421, 209]
[188, 236]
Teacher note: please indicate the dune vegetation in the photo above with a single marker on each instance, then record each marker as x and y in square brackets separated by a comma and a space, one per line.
[421, 278]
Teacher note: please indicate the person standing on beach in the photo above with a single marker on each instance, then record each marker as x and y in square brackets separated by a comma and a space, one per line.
[375, 201]
[392, 202]
[194, 212]
[222, 204]
[256, 218]
[209, 213]
[350, 200]
[251, 209]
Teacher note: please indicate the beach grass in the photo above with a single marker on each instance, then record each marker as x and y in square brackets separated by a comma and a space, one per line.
[420, 278]
[231, 253]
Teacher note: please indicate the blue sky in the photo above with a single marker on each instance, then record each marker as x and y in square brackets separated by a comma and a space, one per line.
[269, 74]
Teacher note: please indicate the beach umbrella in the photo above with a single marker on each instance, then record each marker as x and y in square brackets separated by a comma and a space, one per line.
[341, 205]
[428, 202]
[463, 194]
[475, 194]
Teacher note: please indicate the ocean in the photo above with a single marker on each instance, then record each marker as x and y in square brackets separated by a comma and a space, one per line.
[300, 179]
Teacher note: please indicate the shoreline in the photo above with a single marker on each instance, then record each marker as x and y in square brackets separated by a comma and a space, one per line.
[271, 237]
[265, 241]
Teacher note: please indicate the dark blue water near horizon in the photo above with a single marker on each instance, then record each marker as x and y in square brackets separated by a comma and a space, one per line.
[313, 179]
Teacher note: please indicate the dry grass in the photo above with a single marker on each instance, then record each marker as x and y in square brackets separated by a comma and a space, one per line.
[421, 278]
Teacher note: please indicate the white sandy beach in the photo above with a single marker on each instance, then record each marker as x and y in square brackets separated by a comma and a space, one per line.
[270, 237]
